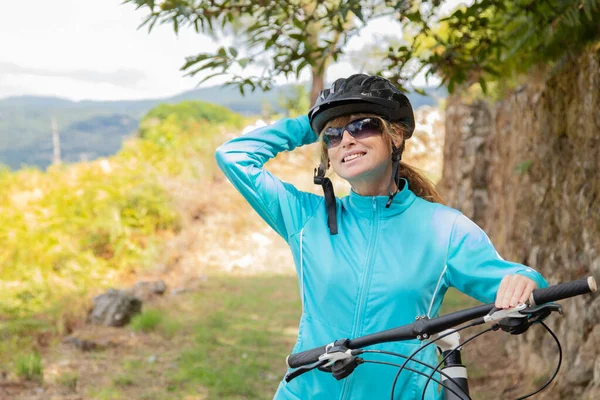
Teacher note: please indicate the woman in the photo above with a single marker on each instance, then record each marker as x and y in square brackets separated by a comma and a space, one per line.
[374, 259]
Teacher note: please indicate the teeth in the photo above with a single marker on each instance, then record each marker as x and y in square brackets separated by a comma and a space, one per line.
[353, 156]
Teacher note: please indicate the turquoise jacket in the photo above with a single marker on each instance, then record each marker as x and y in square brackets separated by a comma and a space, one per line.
[384, 268]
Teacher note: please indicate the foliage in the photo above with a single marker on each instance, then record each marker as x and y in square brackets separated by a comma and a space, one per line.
[297, 103]
[493, 40]
[485, 41]
[285, 36]
[77, 228]
[192, 111]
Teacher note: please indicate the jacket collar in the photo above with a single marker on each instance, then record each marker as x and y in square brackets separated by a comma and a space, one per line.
[366, 205]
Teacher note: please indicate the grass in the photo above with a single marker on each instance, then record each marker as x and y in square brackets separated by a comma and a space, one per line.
[106, 394]
[155, 320]
[240, 342]
[68, 380]
[29, 367]
[146, 321]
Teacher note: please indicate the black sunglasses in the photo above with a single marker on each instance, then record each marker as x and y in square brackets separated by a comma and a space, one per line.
[359, 129]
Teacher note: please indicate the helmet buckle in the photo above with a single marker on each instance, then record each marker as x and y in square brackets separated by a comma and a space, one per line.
[319, 175]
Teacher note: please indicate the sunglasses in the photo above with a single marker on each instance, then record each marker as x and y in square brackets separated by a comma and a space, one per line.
[359, 129]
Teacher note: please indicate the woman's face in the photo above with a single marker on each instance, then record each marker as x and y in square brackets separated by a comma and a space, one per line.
[361, 160]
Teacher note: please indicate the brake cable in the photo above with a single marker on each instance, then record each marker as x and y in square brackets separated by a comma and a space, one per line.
[495, 327]
[557, 366]
[536, 315]
[442, 373]
[418, 372]
[479, 321]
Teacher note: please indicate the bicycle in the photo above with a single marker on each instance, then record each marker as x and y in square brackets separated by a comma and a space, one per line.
[340, 358]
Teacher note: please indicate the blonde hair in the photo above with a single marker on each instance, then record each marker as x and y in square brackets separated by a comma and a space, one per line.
[419, 184]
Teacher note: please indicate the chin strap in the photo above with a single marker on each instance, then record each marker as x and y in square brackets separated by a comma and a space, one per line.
[395, 178]
[320, 179]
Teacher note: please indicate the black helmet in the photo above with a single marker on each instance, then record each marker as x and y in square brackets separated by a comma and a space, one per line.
[362, 93]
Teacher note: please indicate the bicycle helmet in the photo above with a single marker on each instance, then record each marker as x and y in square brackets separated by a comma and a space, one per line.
[362, 93]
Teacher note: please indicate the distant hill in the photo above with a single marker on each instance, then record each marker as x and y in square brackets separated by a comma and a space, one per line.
[92, 129]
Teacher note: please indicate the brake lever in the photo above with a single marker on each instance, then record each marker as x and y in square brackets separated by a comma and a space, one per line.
[539, 313]
[529, 316]
[302, 370]
[497, 314]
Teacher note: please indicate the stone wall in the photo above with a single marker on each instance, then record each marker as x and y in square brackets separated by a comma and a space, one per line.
[527, 170]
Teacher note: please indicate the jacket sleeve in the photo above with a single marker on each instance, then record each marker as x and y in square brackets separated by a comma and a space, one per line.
[475, 267]
[280, 204]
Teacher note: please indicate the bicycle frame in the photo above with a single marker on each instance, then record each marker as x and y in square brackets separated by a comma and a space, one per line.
[455, 373]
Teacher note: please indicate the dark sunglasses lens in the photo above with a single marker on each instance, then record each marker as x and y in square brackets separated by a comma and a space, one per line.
[365, 127]
[332, 136]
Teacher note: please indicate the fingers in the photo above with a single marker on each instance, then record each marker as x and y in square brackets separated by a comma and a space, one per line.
[508, 293]
[514, 289]
[502, 290]
[531, 286]
[519, 287]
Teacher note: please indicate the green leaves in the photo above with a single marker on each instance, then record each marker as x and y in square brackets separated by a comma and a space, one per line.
[483, 85]
[488, 40]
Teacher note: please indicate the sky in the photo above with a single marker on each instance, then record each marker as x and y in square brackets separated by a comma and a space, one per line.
[92, 49]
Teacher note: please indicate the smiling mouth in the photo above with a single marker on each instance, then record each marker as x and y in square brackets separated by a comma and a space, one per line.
[353, 157]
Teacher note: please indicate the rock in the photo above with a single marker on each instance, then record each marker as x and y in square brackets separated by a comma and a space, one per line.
[83, 344]
[582, 370]
[114, 308]
[180, 290]
[146, 290]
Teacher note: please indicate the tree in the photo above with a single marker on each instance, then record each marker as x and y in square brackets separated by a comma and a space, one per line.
[485, 41]
[492, 40]
[288, 36]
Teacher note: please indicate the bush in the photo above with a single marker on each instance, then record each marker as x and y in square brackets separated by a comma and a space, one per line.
[188, 112]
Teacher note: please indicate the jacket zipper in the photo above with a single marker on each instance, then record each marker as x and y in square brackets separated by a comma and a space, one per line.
[363, 290]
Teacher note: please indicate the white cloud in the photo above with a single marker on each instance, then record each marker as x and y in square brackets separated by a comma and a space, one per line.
[122, 76]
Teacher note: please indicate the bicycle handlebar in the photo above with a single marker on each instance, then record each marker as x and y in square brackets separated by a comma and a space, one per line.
[424, 327]
[563, 291]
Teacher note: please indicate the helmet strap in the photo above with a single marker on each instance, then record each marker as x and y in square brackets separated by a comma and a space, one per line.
[395, 178]
[330, 206]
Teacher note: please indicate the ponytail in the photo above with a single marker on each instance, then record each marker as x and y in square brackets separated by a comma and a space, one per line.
[420, 185]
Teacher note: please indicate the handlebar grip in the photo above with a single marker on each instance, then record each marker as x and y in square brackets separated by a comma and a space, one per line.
[304, 358]
[563, 291]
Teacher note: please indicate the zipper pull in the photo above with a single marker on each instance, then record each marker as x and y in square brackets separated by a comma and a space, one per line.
[374, 204]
